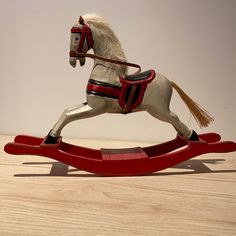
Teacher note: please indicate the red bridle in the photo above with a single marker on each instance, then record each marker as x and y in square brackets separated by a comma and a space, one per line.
[86, 33]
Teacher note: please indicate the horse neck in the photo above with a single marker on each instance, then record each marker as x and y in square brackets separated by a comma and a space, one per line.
[109, 49]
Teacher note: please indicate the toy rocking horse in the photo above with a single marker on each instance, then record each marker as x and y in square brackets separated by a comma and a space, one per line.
[111, 90]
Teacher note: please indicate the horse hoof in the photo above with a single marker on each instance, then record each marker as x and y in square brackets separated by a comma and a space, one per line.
[51, 140]
[194, 136]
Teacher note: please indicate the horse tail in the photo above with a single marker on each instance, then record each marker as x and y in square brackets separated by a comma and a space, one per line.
[203, 117]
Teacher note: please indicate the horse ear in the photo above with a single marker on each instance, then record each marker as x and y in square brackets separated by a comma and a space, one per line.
[81, 20]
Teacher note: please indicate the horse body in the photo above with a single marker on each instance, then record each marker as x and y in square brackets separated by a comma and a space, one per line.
[157, 96]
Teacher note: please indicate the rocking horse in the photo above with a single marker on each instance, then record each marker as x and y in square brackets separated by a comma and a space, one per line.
[111, 90]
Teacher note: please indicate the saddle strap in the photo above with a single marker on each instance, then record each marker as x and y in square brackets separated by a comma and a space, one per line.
[127, 107]
[103, 89]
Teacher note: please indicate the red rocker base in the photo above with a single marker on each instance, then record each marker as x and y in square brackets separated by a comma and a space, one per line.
[121, 162]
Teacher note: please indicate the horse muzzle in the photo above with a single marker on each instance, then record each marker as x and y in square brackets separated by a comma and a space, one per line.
[81, 61]
[73, 61]
[74, 57]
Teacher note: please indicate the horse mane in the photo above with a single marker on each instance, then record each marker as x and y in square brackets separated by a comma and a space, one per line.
[111, 44]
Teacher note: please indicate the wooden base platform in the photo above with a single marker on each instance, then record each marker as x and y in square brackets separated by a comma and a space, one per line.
[39, 196]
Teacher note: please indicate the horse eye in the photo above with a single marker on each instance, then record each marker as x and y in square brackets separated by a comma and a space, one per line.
[76, 38]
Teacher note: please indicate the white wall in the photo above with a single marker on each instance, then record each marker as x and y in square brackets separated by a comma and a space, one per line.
[192, 42]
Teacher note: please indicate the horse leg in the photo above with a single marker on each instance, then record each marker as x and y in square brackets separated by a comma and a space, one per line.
[157, 103]
[78, 112]
[173, 119]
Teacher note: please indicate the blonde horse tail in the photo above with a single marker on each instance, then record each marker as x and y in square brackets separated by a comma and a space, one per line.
[202, 116]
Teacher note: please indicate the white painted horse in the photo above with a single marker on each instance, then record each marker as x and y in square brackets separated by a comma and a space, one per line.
[105, 87]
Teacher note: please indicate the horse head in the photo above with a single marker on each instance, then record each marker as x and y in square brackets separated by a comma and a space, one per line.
[80, 33]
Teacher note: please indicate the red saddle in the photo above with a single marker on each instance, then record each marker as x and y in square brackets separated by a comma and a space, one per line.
[129, 94]
[133, 89]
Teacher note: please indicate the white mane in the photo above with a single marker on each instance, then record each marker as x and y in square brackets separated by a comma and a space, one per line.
[105, 37]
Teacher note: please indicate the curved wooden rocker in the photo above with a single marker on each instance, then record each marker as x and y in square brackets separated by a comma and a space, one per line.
[121, 162]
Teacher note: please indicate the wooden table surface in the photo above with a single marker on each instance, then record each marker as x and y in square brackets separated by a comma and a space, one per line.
[39, 196]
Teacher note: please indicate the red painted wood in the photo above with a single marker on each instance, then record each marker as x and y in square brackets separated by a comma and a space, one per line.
[127, 83]
[115, 92]
[121, 162]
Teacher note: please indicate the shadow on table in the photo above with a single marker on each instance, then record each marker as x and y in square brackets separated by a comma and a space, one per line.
[194, 167]
[188, 167]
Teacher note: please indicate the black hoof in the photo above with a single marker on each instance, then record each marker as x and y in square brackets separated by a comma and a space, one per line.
[50, 139]
[194, 136]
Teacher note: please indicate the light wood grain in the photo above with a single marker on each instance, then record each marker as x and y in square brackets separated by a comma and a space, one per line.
[41, 197]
